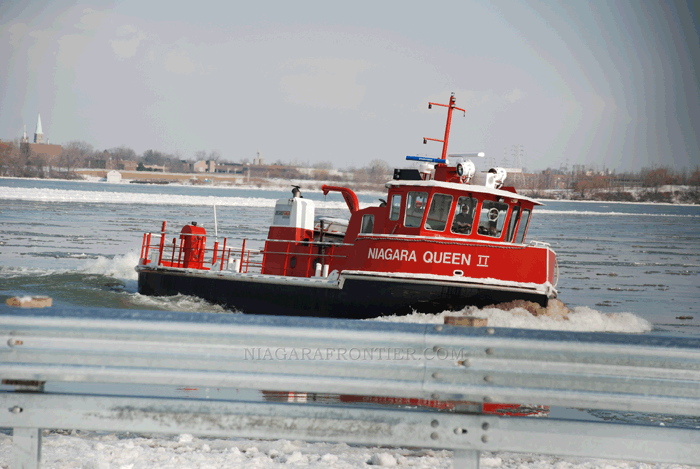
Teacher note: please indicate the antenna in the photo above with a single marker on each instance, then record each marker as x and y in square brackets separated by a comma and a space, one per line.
[450, 107]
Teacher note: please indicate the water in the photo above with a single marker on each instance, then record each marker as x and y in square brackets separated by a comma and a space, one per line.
[78, 243]
[622, 267]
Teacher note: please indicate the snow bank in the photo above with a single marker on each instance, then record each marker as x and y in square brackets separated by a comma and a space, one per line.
[90, 450]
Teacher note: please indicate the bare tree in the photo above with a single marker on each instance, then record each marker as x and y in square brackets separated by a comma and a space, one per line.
[74, 154]
[215, 155]
[323, 165]
[122, 154]
[378, 170]
[12, 161]
[154, 157]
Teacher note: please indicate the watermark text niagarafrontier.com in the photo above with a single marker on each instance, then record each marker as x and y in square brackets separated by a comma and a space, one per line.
[352, 354]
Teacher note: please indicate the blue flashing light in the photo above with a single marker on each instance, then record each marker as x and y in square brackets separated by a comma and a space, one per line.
[426, 158]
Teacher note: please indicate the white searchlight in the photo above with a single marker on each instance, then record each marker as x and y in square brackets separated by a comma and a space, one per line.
[466, 170]
[495, 177]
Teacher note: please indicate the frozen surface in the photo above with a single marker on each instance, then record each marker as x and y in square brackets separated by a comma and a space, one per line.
[88, 450]
[144, 198]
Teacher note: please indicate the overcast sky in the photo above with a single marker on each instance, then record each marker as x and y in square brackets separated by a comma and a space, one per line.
[606, 83]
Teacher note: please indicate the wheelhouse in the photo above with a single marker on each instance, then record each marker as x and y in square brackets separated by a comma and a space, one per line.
[448, 210]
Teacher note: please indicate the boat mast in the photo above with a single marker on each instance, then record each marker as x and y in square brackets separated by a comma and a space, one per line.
[450, 107]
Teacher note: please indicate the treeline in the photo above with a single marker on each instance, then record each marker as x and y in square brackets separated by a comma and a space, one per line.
[648, 185]
[17, 160]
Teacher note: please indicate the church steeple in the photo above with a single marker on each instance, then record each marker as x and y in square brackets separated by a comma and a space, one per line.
[38, 134]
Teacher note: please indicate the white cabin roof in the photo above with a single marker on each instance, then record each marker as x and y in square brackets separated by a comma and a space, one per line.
[461, 187]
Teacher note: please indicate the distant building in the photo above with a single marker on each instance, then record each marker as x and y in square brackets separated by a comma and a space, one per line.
[314, 172]
[114, 176]
[258, 160]
[199, 167]
[127, 165]
[38, 133]
[235, 168]
[39, 147]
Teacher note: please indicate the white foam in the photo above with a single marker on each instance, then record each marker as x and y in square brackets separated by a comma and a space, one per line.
[183, 303]
[20, 271]
[581, 319]
[121, 267]
[73, 196]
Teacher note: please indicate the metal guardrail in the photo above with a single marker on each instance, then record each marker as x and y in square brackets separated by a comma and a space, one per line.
[637, 373]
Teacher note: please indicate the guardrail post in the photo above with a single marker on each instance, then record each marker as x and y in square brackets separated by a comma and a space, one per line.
[27, 447]
[466, 459]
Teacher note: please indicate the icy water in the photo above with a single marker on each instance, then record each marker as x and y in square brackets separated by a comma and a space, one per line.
[78, 243]
[623, 267]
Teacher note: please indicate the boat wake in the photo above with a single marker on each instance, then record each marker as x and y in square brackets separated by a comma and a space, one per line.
[181, 303]
[579, 319]
[119, 266]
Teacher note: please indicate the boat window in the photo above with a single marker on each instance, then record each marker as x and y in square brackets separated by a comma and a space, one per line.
[522, 228]
[395, 207]
[492, 218]
[367, 224]
[415, 206]
[438, 213]
[513, 223]
[464, 215]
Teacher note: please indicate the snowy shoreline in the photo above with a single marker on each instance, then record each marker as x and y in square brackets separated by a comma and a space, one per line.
[314, 186]
[98, 450]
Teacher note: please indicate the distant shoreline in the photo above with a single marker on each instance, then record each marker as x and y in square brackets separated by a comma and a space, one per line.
[666, 195]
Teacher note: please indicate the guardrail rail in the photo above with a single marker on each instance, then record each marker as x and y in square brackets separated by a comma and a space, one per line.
[42, 349]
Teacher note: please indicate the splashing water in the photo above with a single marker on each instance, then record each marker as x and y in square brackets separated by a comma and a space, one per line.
[581, 319]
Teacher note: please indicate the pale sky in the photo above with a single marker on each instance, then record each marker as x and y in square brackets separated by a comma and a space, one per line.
[606, 83]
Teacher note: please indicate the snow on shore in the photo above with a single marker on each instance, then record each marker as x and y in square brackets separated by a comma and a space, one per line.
[90, 450]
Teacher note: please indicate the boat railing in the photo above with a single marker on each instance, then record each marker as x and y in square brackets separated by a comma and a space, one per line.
[319, 256]
[158, 251]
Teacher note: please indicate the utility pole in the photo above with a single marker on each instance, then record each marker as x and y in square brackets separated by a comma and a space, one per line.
[517, 151]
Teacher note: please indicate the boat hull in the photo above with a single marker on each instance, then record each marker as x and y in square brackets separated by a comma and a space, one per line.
[354, 297]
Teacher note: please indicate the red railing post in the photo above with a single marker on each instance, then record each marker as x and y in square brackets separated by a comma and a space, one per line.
[242, 254]
[216, 251]
[308, 264]
[223, 252]
[143, 245]
[179, 254]
[172, 259]
[162, 243]
[148, 245]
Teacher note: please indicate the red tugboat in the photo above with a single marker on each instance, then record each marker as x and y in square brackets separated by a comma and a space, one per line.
[441, 242]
